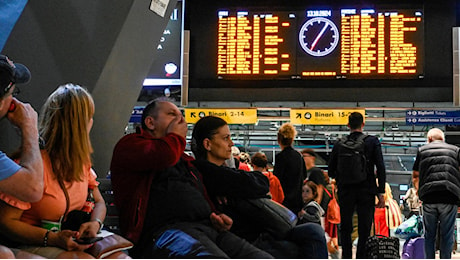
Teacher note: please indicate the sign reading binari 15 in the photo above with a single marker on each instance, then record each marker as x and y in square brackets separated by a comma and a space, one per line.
[344, 43]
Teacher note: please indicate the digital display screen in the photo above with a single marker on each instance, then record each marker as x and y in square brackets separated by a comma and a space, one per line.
[325, 43]
[166, 69]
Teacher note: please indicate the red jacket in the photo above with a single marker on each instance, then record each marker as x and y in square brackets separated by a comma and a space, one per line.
[135, 161]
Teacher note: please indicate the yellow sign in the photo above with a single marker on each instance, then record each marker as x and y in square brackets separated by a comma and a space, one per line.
[232, 116]
[322, 116]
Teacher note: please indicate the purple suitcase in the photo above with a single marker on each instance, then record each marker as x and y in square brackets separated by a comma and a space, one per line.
[414, 248]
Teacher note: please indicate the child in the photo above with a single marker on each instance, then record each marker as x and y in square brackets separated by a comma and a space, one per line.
[311, 211]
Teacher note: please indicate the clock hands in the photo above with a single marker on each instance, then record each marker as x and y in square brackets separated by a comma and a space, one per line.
[318, 37]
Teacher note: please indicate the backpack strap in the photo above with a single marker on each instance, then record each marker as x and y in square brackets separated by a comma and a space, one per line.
[362, 137]
[328, 193]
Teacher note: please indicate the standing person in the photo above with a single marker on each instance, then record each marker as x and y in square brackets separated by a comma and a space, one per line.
[239, 164]
[290, 168]
[311, 211]
[411, 197]
[437, 164]
[259, 163]
[359, 196]
[65, 122]
[211, 145]
[164, 206]
[316, 175]
[24, 181]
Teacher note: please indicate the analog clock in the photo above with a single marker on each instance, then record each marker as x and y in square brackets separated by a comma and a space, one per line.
[319, 36]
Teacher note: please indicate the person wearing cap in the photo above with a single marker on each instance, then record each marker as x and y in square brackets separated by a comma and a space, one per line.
[23, 180]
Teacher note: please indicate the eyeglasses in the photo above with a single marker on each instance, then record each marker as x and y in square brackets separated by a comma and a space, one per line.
[16, 90]
[8, 87]
[308, 155]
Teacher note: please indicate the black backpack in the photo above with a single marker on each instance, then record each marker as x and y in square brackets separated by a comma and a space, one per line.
[351, 165]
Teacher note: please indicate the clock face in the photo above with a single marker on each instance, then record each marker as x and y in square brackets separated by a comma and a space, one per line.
[319, 36]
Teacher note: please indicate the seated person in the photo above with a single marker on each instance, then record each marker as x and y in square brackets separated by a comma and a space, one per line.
[211, 145]
[24, 181]
[164, 207]
[66, 119]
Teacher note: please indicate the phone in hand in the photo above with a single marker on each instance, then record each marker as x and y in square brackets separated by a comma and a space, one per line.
[88, 240]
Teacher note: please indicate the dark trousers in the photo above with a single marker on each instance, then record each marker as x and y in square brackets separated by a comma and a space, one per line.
[195, 240]
[361, 200]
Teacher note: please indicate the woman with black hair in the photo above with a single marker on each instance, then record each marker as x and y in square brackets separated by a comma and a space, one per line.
[212, 145]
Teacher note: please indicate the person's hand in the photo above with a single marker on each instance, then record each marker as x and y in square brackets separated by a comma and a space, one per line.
[88, 229]
[222, 200]
[65, 239]
[381, 203]
[23, 116]
[178, 125]
[221, 222]
[301, 213]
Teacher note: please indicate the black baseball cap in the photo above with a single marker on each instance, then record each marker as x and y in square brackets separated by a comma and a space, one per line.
[19, 73]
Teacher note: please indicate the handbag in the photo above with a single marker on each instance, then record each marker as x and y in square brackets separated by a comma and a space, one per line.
[412, 227]
[74, 218]
[270, 215]
[394, 213]
[111, 243]
[333, 208]
[382, 247]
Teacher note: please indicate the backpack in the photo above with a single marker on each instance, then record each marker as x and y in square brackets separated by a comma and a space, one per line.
[333, 209]
[351, 162]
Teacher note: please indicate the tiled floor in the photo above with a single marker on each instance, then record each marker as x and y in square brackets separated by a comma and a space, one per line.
[455, 255]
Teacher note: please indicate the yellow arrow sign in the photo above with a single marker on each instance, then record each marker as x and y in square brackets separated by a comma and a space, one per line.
[232, 116]
[322, 116]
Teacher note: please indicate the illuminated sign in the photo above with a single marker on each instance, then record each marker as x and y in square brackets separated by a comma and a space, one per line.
[345, 43]
[166, 66]
[433, 117]
[322, 116]
[231, 116]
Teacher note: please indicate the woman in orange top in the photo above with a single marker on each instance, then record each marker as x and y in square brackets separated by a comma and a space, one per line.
[259, 163]
[65, 122]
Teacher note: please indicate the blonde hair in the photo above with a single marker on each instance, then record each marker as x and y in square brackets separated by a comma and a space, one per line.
[63, 125]
[286, 134]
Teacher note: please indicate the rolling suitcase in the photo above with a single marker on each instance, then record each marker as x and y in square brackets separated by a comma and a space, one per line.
[382, 247]
[414, 248]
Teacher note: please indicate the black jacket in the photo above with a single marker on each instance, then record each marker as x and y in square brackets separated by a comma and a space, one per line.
[374, 157]
[235, 185]
[291, 171]
[438, 164]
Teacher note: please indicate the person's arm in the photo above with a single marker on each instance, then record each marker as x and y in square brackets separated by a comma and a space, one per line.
[380, 165]
[224, 181]
[332, 165]
[27, 183]
[24, 233]
[90, 229]
[320, 191]
[142, 154]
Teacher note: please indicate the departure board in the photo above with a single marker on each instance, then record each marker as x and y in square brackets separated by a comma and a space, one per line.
[320, 43]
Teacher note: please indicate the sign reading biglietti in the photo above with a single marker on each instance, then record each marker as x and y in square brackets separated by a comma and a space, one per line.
[433, 117]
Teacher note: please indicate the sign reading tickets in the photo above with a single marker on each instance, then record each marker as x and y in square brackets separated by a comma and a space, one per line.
[232, 116]
[322, 116]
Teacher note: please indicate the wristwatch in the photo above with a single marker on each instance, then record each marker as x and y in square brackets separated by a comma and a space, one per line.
[101, 225]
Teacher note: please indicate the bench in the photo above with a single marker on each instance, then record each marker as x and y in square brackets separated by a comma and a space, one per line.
[111, 222]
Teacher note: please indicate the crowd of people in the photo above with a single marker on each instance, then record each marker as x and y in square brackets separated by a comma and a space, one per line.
[173, 205]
